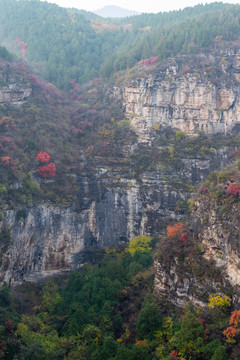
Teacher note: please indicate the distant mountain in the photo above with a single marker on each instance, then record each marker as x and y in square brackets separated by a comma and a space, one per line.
[115, 12]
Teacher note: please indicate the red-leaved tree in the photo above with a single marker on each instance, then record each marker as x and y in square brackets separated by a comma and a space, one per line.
[43, 157]
[234, 321]
[174, 230]
[47, 170]
[233, 190]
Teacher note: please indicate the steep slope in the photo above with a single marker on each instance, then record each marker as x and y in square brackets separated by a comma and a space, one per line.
[208, 261]
[191, 93]
[108, 186]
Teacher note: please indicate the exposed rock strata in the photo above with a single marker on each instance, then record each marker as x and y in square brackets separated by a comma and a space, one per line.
[14, 89]
[179, 289]
[187, 93]
[215, 226]
[51, 240]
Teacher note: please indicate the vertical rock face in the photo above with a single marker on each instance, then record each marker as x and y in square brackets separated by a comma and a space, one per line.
[189, 94]
[180, 288]
[217, 228]
[14, 88]
[51, 240]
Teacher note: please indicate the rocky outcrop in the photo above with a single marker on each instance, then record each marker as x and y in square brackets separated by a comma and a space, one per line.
[217, 227]
[14, 88]
[182, 287]
[197, 93]
[214, 228]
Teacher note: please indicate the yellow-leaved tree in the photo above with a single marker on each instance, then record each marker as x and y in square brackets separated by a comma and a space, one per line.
[140, 243]
[218, 301]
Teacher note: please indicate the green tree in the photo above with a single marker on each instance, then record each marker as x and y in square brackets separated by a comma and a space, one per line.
[149, 319]
[189, 339]
[220, 354]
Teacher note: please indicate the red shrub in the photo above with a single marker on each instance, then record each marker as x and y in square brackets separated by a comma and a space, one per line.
[184, 237]
[174, 354]
[233, 190]
[203, 190]
[235, 318]
[150, 61]
[47, 170]
[5, 160]
[43, 157]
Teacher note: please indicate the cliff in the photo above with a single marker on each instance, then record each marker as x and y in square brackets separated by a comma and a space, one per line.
[14, 86]
[109, 187]
[215, 222]
[189, 93]
[46, 239]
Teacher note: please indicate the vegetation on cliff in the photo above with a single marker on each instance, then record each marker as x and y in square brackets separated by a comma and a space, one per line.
[48, 144]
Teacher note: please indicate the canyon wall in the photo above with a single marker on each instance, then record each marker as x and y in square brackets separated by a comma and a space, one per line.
[49, 239]
[189, 93]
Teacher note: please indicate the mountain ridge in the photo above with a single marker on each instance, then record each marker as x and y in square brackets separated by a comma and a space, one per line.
[113, 11]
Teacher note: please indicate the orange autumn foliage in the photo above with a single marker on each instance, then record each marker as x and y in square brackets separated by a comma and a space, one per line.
[230, 332]
[5, 160]
[235, 318]
[174, 230]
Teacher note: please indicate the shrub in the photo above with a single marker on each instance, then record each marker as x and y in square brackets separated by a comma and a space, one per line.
[47, 170]
[233, 190]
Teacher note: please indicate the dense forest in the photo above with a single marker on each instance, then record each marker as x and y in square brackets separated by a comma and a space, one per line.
[63, 44]
[108, 311]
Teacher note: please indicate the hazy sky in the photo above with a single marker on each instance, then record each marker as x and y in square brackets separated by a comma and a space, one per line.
[138, 5]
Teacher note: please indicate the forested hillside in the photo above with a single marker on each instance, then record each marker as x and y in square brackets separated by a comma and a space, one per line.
[64, 44]
[108, 310]
[110, 248]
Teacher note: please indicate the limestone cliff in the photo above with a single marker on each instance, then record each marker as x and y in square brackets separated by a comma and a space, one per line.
[189, 93]
[49, 239]
[14, 87]
[112, 202]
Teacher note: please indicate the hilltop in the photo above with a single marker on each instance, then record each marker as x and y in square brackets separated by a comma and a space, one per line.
[111, 11]
[64, 44]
